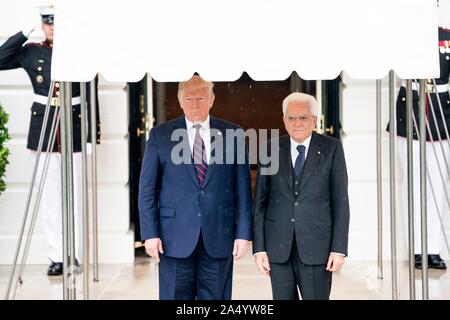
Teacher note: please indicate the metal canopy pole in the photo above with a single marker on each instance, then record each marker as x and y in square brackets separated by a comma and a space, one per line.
[42, 179]
[30, 192]
[93, 93]
[392, 136]
[70, 192]
[69, 292]
[84, 188]
[379, 185]
[409, 132]
[444, 185]
[442, 113]
[423, 189]
[63, 108]
[431, 185]
[436, 125]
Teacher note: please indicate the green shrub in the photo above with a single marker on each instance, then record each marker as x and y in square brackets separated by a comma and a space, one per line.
[4, 152]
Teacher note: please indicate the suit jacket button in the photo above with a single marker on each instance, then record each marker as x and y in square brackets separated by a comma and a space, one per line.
[296, 193]
[292, 220]
[296, 203]
[199, 214]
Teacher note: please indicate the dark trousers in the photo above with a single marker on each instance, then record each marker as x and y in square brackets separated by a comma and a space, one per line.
[314, 281]
[198, 276]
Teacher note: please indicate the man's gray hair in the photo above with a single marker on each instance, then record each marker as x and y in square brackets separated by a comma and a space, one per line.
[300, 97]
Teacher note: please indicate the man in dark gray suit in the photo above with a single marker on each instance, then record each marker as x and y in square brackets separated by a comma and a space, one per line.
[301, 211]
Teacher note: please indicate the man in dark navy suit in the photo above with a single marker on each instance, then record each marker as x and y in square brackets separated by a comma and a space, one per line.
[195, 214]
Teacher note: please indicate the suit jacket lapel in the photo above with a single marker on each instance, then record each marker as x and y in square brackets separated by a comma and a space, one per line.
[312, 159]
[180, 123]
[286, 163]
[213, 124]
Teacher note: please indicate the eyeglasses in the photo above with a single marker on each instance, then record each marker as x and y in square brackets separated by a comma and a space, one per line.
[302, 119]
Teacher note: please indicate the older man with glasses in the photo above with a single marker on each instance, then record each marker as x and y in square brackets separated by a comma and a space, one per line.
[301, 211]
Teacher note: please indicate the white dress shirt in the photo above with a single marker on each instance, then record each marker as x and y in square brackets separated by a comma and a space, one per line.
[294, 151]
[205, 133]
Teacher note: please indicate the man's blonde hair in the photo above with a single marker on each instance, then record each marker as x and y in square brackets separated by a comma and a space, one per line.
[196, 82]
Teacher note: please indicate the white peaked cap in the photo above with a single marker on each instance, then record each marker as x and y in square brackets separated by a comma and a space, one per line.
[46, 10]
[444, 13]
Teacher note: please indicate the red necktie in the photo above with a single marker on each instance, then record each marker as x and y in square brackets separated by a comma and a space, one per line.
[199, 157]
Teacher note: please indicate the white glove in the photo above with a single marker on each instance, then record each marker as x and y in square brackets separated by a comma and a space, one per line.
[89, 148]
[28, 30]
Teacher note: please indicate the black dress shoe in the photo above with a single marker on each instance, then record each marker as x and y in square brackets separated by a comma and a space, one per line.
[55, 269]
[418, 261]
[77, 267]
[435, 262]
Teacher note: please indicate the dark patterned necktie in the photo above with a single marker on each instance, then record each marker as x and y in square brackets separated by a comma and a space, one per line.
[300, 161]
[199, 157]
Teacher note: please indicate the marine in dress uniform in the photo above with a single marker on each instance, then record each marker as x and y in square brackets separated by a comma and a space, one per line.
[35, 59]
[439, 92]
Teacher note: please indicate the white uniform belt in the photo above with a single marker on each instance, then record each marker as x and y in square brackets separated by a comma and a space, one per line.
[43, 100]
[431, 88]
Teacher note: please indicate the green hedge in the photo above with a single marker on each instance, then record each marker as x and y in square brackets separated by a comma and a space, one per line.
[4, 152]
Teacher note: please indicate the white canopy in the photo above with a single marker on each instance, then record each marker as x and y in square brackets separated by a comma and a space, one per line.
[172, 39]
